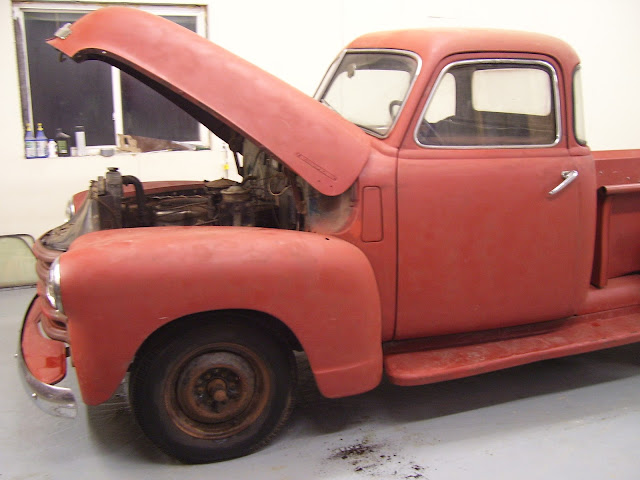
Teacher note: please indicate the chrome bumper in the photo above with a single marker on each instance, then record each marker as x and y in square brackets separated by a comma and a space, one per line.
[58, 401]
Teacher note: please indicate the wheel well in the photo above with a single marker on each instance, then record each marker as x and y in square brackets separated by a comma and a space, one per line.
[261, 320]
[215, 390]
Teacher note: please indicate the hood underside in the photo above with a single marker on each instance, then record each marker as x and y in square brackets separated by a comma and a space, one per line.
[227, 94]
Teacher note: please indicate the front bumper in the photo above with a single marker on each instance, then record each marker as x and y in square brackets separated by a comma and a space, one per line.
[42, 363]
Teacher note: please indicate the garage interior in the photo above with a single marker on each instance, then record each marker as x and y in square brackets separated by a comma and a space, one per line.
[570, 417]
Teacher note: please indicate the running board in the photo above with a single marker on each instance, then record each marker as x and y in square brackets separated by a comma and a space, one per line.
[438, 360]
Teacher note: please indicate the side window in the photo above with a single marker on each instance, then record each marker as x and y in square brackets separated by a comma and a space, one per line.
[578, 108]
[443, 103]
[492, 103]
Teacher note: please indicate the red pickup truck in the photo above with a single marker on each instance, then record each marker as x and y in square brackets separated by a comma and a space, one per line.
[433, 213]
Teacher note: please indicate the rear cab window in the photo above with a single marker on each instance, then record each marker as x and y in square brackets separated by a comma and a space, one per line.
[578, 108]
[492, 103]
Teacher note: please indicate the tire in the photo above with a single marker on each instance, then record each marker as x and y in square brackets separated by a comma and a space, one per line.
[205, 392]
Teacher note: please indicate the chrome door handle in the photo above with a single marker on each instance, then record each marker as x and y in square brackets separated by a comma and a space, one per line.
[569, 176]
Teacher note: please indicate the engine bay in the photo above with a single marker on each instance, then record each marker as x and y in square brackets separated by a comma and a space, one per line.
[270, 195]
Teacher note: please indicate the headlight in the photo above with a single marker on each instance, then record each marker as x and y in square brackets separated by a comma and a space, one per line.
[52, 287]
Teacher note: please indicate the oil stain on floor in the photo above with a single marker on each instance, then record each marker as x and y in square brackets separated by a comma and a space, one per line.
[375, 460]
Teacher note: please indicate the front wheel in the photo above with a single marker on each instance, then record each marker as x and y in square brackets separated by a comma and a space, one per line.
[212, 391]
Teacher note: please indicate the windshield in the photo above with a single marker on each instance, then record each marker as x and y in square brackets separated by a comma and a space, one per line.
[369, 88]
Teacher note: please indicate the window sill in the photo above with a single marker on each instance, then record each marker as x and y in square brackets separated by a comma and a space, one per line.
[123, 154]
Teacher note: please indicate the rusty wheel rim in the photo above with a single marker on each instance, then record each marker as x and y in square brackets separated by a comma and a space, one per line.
[217, 391]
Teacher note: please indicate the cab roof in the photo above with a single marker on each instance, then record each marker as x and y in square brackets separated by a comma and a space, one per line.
[438, 43]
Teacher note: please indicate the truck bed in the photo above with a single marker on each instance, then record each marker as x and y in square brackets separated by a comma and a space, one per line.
[617, 167]
[617, 248]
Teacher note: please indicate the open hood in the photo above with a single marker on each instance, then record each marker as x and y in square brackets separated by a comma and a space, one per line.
[227, 94]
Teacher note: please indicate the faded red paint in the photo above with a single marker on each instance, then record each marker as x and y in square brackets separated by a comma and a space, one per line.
[443, 242]
[333, 315]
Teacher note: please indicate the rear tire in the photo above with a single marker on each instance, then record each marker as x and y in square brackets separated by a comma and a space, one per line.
[205, 392]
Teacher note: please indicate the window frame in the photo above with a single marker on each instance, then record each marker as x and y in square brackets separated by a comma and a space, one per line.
[199, 12]
[556, 99]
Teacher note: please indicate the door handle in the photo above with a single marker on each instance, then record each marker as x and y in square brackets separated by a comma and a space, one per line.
[569, 176]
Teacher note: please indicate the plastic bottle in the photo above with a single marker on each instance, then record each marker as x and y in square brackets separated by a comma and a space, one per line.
[81, 141]
[42, 143]
[29, 143]
[62, 143]
[52, 149]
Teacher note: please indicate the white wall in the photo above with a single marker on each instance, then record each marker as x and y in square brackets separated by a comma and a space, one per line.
[296, 41]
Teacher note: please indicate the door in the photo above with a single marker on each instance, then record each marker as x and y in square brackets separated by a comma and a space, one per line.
[482, 243]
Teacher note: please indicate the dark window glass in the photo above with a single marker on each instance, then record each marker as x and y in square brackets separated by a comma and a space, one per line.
[66, 94]
[149, 114]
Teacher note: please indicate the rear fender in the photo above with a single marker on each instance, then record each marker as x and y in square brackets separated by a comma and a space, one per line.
[120, 286]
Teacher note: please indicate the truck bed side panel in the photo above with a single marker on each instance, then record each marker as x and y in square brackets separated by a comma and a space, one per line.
[617, 249]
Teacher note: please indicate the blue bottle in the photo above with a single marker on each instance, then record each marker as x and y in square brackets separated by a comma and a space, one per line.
[29, 143]
[42, 143]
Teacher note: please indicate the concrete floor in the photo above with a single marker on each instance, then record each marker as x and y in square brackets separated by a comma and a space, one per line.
[577, 417]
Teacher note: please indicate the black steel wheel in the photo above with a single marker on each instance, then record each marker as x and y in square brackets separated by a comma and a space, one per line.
[212, 391]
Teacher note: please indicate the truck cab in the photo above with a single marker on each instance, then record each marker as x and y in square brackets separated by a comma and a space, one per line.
[480, 142]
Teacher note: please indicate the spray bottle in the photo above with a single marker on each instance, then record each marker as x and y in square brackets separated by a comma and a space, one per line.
[42, 143]
[29, 143]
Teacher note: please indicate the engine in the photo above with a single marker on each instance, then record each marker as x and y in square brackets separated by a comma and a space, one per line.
[220, 202]
[120, 201]
[270, 195]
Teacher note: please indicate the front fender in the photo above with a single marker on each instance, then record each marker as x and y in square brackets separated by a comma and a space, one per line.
[120, 286]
